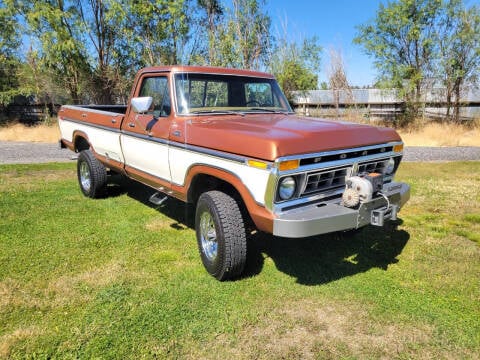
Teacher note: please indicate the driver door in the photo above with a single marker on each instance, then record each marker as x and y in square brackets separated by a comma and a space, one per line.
[144, 137]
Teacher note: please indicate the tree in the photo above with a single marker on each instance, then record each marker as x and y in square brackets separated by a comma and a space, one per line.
[112, 58]
[61, 57]
[459, 50]
[9, 57]
[244, 39]
[401, 40]
[295, 66]
[337, 78]
[214, 11]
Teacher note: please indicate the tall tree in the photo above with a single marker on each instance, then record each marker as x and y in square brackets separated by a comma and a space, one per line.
[213, 11]
[159, 30]
[9, 57]
[61, 57]
[104, 26]
[337, 79]
[295, 64]
[244, 39]
[400, 38]
[458, 41]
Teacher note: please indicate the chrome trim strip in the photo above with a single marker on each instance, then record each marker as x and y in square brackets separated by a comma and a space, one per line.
[210, 152]
[145, 137]
[96, 126]
[337, 152]
[339, 163]
[183, 146]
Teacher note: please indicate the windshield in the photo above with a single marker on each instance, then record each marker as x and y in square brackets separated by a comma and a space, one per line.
[210, 93]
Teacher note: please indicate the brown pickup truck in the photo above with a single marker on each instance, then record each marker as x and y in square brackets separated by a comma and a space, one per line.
[228, 142]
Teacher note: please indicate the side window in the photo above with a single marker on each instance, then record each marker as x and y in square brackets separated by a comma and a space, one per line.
[157, 88]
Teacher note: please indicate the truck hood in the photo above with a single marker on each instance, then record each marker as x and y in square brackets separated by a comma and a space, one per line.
[270, 136]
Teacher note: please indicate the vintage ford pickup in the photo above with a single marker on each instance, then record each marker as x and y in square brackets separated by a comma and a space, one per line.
[228, 142]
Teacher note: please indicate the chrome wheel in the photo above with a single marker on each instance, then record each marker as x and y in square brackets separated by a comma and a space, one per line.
[208, 236]
[85, 178]
[221, 235]
[92, 175]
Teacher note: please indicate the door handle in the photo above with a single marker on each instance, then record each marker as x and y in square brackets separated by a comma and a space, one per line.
[131, 125]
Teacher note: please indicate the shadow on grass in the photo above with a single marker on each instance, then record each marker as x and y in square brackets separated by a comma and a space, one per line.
[322, 259]
[183, 214]
[312, 261]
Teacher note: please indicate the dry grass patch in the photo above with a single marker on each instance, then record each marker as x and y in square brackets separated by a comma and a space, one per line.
[32, 180]
[68, 289]
[442, 135]
[62, 291]
[308, 329]
[8, 340]
[159, 223]
[39, 133]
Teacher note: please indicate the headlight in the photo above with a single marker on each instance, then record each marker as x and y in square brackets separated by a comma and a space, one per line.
[286, 188]
[390, 168]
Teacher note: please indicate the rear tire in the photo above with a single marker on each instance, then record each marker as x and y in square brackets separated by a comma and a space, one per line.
[92, 175]
[221, 235]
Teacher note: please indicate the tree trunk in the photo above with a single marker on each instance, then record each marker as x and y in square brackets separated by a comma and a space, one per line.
[457, 101]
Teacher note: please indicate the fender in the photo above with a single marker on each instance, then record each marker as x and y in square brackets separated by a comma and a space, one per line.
[262, 217]
[81, 134]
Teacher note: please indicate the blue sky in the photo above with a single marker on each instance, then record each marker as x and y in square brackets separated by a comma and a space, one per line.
[333, 22]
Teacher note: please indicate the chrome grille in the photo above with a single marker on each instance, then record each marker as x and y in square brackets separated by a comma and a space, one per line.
[373, 167]
[324, 181]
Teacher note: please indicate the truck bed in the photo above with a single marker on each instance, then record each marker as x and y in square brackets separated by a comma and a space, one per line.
[118, 109]
[110, 116]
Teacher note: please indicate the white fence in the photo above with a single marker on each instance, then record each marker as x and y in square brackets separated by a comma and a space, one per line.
[382, 103]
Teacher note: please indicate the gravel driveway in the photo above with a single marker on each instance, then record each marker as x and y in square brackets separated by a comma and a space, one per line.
[26, 152]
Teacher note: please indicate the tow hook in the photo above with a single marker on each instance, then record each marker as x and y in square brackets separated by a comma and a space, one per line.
[387, 213]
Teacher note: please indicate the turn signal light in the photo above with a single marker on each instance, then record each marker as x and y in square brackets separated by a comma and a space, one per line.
[289, 165]
[257, 164]
[398, 148]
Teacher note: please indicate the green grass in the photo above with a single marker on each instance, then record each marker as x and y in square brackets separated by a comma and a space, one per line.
[117, 278]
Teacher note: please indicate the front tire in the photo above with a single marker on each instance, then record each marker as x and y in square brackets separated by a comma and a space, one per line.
[92, 175]
[221, 235]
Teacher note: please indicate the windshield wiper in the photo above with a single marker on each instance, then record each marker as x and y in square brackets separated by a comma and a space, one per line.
[217, 112]
[268, 110]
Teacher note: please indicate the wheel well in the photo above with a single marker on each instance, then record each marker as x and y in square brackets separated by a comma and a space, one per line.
[81, 144]
[202, 183]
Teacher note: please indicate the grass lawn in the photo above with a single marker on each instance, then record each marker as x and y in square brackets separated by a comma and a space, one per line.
[117, 278]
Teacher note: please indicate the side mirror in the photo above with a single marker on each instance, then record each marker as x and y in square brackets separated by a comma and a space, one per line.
[141, 105]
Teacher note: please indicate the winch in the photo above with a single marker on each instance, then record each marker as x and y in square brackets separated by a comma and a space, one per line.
[361, 188]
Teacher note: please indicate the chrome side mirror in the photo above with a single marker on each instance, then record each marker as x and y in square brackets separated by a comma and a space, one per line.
[141, 105]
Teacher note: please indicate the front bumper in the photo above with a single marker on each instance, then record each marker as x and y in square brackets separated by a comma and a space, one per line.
[324, 218]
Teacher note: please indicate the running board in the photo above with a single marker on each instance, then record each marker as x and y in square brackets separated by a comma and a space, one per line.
[158, 198]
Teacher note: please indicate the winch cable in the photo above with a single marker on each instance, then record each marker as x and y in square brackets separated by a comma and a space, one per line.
[386, 198]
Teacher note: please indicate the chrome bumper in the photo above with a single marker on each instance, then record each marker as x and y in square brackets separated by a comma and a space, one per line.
[319, 219]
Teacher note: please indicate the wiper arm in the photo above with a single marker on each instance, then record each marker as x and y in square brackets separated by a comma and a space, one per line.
[268, 110]
[217, 112]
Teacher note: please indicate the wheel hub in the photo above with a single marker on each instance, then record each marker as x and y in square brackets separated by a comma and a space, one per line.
[208, 236]
[85, 176]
